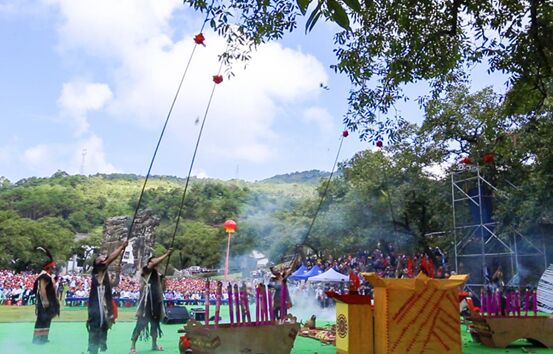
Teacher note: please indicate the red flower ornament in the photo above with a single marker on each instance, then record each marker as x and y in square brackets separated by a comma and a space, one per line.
[488, 158]
[199, 39]
[345, 133]
[184, 343]
[379, 144]
[466, 160]
[217, 79]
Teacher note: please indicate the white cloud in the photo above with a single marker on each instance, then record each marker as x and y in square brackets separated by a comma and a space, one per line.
[38, 155]
[253, 153]
[199, 173]
[8, 8]
[15, 8]
[136, 43]
[44, 160]
[77, 98]
[4, 154]
[95, 159]
[110, 28]
[321, 118]
[285, 73]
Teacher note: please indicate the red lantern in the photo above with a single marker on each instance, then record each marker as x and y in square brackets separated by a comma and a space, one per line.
[217, 79]
[230, 226]
[379, 144]
[199, 39]
[345, 133]
[488, 158]
[466, 160]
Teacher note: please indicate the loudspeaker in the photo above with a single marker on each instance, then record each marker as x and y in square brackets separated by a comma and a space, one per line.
[176, 314]
[198, 314]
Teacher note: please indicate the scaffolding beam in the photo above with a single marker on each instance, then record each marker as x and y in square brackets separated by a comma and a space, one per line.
[474, 232]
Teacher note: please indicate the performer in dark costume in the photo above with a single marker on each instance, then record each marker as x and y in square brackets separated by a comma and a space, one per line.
[150, 306]
[100, 309]
[278, 280]
[47, 305]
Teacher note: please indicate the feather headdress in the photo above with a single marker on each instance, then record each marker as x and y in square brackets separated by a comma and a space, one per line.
[50, 263]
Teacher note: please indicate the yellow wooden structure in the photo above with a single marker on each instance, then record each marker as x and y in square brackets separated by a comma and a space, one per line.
[419, 315]
[354, 324]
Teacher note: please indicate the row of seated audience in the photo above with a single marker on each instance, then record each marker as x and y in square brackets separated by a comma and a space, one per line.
[16, 288]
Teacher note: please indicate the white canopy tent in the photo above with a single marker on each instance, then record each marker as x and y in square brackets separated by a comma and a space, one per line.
[330, 276]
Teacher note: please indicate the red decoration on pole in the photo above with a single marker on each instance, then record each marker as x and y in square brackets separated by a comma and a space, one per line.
[379, 144]
[345, 133]
[199, 39]
[354, 283]
[466, 160]
[230, 228]
[488, 158]
[217, 79]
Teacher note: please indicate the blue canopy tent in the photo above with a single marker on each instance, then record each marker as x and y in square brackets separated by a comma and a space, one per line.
[312, 272]
[299, 273]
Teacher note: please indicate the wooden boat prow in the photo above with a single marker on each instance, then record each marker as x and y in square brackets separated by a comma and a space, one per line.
[269, 338]
[499, 332]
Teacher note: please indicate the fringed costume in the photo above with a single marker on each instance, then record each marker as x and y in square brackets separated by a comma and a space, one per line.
[100, 309]
[150, 306]
[44, 315]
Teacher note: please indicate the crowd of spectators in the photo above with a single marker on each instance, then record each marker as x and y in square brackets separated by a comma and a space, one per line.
[386, 262]
[16, 288]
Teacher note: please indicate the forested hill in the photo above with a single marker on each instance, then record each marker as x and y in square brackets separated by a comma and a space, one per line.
[50, 211]
[391, 194]
[311, 177]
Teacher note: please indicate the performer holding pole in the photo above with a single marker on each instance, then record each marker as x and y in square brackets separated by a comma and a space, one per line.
[100, 302]
[150, 305]
[281, 296]
[47, 305]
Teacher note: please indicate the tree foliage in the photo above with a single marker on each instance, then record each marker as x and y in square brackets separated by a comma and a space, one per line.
[399, 193]
[382, 46]
[19, 238]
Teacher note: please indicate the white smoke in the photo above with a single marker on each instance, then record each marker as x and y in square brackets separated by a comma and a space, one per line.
[305, 305]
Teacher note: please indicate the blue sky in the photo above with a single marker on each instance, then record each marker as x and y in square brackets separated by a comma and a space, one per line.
[99, 76]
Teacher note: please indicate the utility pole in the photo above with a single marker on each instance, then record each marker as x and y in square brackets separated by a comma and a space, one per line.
[83, 153]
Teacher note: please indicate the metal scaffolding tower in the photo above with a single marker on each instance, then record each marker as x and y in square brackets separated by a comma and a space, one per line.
[479, 250]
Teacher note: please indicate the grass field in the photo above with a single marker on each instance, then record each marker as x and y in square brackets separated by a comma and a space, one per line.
[68, 335]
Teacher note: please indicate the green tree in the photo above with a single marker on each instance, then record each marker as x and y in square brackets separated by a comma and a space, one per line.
[199, 244]
[19, 238]
[519, 161]
[382, 46]
[403, 198]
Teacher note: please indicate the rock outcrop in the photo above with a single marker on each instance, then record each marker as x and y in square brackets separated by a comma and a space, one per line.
[141, 241]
